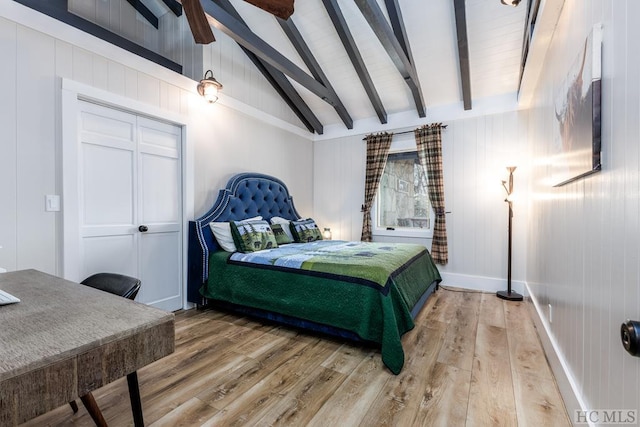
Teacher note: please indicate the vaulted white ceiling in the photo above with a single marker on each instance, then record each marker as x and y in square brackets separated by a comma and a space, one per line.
[495, 36]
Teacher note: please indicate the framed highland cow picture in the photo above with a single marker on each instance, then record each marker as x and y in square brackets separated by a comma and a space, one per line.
[577, 123]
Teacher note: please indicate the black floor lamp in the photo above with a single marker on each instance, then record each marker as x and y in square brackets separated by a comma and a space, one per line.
[509, 294]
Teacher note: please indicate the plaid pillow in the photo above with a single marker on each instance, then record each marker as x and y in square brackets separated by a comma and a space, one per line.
[281, 236]
[305, 230]
[252, 236]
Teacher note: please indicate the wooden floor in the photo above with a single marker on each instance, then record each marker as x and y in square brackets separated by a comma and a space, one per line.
[472, 360]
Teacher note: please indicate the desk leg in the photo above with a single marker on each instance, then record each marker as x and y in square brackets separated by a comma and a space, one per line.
[134, 396]
[93, 409]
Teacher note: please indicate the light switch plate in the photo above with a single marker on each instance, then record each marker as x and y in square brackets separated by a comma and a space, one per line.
[52, 203]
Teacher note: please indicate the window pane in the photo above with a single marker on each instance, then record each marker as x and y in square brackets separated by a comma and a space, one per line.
[403, 200]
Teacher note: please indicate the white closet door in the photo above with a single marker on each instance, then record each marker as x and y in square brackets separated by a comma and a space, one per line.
[130, 201]
[159, 199]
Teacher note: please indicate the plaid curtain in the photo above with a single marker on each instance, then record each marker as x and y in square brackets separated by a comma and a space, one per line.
[377, 153]
[429, 144]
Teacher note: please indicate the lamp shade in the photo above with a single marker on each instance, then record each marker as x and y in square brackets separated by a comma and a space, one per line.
[209, 87]
[510, 2]
[326, 234]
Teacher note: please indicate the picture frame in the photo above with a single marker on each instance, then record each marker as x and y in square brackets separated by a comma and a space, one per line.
[577, 130]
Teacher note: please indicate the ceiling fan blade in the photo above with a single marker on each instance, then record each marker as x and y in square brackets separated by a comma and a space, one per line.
[200, 27]
[280, 8]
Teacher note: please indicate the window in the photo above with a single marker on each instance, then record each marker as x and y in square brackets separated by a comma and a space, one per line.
[402, 204]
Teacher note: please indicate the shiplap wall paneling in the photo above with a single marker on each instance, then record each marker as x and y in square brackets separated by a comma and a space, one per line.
[584, 236]
[8, 148]
[476, 152]
[232, 143]
[339, 186]
[35, 121]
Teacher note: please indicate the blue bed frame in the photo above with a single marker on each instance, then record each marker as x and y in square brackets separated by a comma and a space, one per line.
[247, 195]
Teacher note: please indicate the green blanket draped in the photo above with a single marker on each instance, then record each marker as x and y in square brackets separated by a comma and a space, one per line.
[374, 304]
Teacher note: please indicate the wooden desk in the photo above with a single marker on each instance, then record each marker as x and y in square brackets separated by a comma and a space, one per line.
[64, 340]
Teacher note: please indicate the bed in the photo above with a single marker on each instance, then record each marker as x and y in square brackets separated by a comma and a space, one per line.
[355, 290]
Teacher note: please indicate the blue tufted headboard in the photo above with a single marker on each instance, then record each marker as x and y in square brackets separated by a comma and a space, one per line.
[246, 195]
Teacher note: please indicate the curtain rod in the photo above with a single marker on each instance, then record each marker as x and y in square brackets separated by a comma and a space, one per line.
[403, 132]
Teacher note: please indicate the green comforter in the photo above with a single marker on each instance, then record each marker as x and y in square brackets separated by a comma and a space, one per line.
[366, 288]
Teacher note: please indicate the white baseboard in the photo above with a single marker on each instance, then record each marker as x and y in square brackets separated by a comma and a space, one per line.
[479, 283]
[567, 384]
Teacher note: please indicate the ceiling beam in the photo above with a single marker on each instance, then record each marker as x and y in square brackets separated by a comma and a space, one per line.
[198, 22]
[378, 22]
[226, 23]
[145, 12]
[463, 52]
[282, 9]
[350, 46]
[302, 48]
[175, 7]
[279, 81]
[397, 24]
[58, 9]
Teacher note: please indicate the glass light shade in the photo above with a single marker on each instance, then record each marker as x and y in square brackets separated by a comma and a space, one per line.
[209, 87]
[510, 2]
[326, 234]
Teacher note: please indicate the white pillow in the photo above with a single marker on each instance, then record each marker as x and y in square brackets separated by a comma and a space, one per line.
[285, 225]
[222, 231]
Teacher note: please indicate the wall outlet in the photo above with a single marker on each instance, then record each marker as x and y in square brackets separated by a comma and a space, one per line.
[550, 314]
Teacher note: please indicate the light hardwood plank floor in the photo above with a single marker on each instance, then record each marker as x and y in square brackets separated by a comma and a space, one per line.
[472, 359]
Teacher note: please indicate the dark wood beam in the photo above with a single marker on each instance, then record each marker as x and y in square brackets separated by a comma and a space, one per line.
[145, 12]
[378, 22]
[282, 9]
[463, 52]
[246, 38]
[175, 7]
[57, 9]
[351, 48]
[302, 48]
[279, 81]
[198, 22]
[397, 24]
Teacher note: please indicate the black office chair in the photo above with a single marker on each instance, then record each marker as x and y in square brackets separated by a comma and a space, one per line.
[117, 284]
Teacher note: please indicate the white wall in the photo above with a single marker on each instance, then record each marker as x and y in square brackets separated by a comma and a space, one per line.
[476, 151]
[584, 238]
[39, 52]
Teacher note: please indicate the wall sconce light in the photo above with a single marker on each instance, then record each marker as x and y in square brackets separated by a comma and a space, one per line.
[326, 234]
[513, 3]
[508, 186]
[209, 87]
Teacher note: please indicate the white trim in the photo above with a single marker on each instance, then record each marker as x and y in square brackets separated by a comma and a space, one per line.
[481, 283]
[565, 379]
[409, 120]
[72, 92]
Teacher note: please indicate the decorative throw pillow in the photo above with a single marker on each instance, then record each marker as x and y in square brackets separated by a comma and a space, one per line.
[222, 232]
[285, 225]
[252, 236]
[281, 237]
[305, 230]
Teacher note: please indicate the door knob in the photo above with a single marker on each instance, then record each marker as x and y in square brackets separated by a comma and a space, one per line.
[143, 228]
